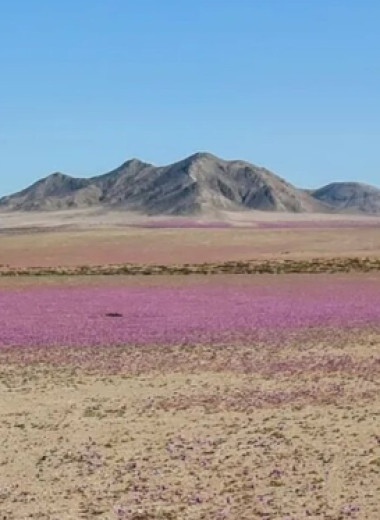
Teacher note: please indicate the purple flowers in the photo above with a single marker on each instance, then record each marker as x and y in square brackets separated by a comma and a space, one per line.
[350, 509]
[162, 315]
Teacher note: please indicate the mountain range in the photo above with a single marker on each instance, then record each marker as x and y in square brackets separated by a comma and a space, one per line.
[198, 184]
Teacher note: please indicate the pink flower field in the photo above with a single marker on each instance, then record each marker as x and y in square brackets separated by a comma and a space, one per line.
[90, 316]
[236, 397]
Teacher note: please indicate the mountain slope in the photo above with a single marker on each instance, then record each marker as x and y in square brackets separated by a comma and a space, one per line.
[350, 196]
[57, 191]
[199, 183]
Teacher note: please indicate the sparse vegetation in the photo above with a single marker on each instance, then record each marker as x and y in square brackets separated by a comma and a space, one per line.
[158, 392]
[316, 265]
[209, 431]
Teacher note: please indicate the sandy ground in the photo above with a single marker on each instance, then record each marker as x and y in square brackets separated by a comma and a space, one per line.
[207, 442]
[170, 246]
[100, 218]
[299, 280]
[210, 432]
[92, 237]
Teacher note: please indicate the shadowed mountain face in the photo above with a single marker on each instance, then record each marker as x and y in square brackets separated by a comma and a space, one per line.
[200, 183]
[350, 196]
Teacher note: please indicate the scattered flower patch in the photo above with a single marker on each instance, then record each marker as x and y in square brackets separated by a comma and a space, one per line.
[203, 314]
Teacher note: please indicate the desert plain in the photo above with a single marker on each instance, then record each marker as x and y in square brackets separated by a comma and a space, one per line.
[201, 396]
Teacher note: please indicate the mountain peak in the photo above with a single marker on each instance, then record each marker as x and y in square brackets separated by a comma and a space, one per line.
[350, 196]
[58, 176]
[203, 155]
[135, 162]
[199, 183]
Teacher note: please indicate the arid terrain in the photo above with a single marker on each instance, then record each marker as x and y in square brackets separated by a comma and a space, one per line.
[83, 238]
[297, 437]
[189, 260]
[189, 397]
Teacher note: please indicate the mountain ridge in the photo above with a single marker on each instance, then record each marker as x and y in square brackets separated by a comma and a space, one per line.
[196, 184]
[354, 196]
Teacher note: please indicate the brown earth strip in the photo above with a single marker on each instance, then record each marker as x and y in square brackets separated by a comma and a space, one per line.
[126, 245]
[316, 265]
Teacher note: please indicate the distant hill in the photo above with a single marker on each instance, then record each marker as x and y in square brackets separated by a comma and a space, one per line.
[198, 184]
[350, 196]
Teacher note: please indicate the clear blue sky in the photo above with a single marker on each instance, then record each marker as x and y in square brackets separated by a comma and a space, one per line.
[293, 85]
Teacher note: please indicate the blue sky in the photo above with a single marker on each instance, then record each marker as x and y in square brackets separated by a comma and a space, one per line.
[293, 85]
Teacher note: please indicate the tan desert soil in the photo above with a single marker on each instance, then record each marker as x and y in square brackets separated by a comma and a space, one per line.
[239, 432]
[72, 239]
[193, 439]
[266, 280]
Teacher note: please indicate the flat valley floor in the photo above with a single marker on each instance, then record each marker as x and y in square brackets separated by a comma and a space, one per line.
[78, 238]
[240, 397]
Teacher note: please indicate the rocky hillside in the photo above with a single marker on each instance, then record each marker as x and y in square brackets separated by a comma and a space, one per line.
[198, 184]
[350, 196]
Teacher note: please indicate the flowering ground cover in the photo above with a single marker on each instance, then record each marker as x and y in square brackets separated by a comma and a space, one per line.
[91, 316]
[183, 223]
[227, 398]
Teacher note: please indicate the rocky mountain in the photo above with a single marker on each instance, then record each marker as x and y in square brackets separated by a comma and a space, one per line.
[350, 196]
[197, 184]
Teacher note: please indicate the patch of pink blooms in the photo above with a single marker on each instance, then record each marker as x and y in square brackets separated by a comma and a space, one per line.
[88, 316]
[184, 224]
